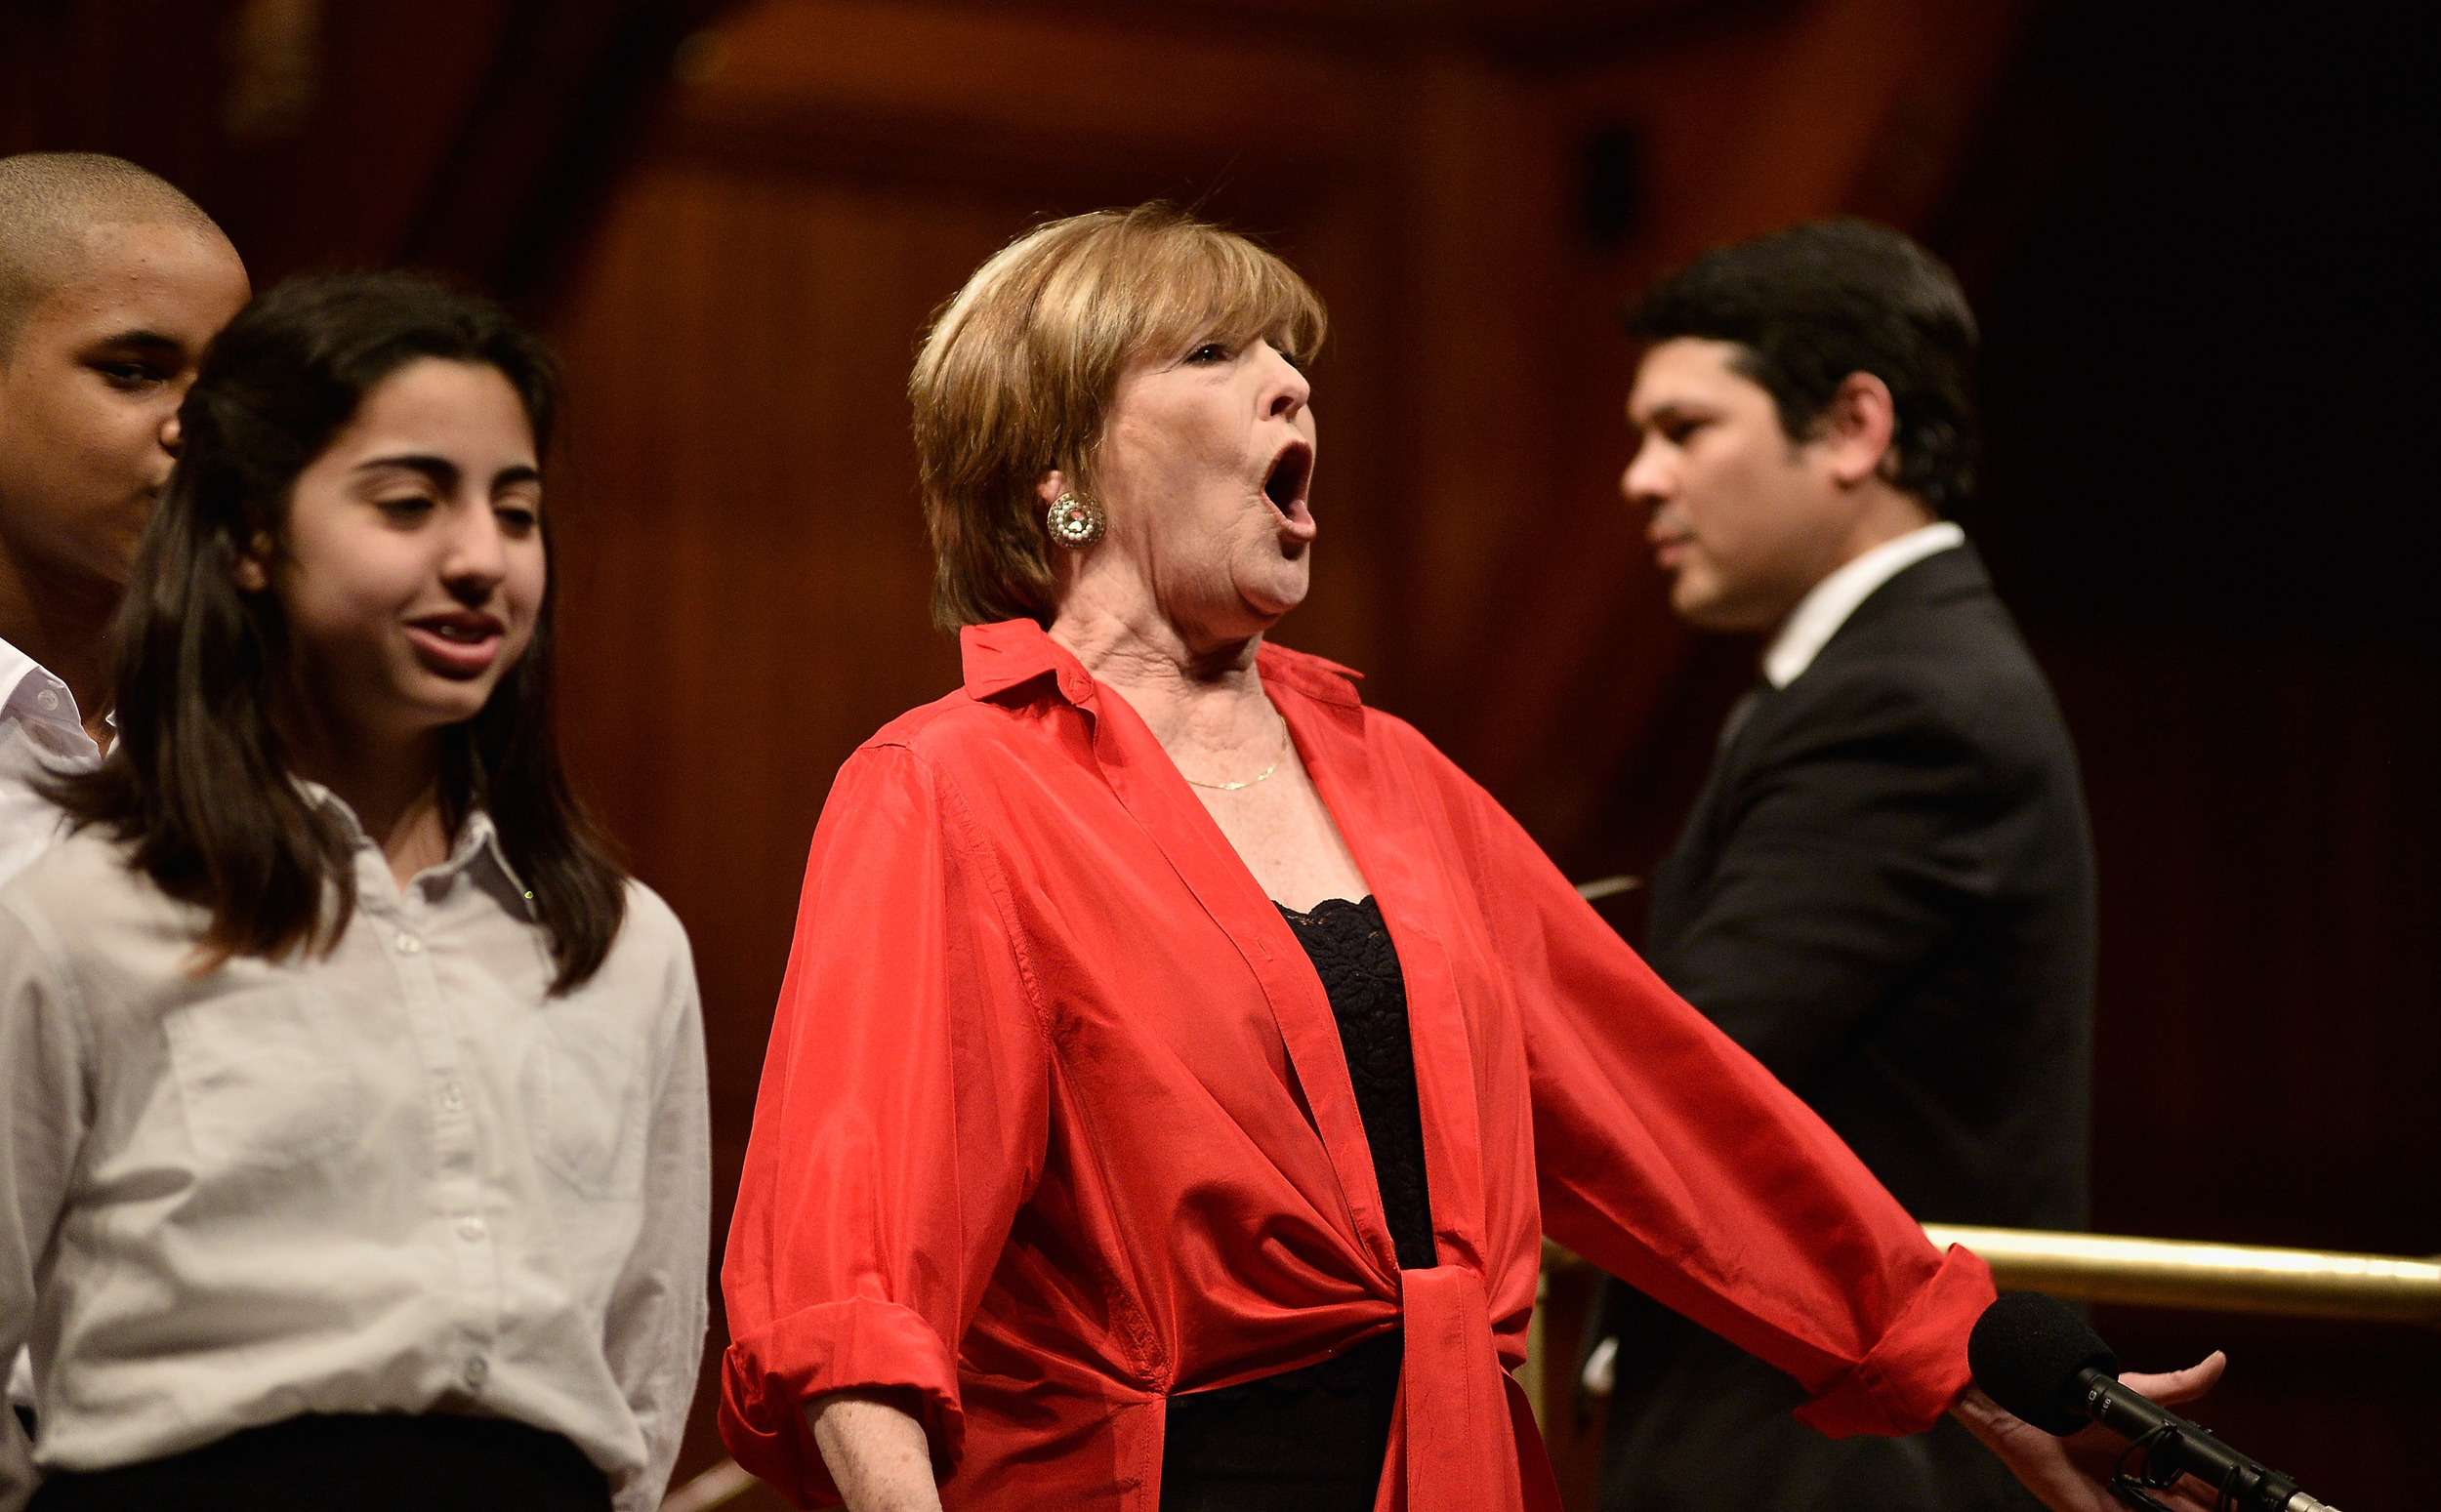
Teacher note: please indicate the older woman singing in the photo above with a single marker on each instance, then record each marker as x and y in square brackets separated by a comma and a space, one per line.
[1180, 1062]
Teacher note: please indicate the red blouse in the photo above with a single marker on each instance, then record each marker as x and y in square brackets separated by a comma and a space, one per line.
[1056, 1123]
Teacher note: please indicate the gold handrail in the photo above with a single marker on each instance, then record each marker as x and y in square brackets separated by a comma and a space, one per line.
[2218, 1278]
[2179, 1273]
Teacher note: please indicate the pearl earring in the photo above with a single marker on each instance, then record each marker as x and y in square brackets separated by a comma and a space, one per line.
[1074, 521]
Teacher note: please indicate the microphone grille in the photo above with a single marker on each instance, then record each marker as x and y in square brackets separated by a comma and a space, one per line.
[2027, 1351]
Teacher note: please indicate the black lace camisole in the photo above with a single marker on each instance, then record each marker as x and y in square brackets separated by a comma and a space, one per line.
[1311, 1440]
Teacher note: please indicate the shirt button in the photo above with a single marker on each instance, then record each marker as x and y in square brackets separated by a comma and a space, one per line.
[470, 1228]
[408, 945]
[452, 1098]
[477, 1372]
[49, 700]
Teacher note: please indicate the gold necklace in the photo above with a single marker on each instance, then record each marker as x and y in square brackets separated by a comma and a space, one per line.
[1286, 744]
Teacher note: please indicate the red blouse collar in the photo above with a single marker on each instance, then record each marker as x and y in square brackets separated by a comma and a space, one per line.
[997, 657]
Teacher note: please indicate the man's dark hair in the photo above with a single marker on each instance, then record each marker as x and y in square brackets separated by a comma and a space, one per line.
[197, 786]
[1809, 305]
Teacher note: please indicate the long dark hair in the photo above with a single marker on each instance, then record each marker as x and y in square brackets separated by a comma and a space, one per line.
[197, 787]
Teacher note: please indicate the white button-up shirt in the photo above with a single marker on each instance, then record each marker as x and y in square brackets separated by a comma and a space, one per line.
[39, 727]
[396, 1179]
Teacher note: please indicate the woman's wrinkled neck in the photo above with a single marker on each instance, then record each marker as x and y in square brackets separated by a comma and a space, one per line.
[1179, 681]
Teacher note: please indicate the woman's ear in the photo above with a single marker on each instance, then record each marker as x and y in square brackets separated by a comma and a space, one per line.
[1054, 483]
[253, 571]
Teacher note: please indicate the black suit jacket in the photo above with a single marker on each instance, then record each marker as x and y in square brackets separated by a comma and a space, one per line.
[1885, 893]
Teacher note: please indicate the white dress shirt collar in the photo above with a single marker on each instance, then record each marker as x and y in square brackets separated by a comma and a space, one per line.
[1819, 615]
[40, 729]
[40, 704]
[478, 836]
[13, 666]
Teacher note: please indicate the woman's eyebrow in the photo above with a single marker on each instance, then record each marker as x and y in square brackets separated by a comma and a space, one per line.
[515, 472]
[442, 472]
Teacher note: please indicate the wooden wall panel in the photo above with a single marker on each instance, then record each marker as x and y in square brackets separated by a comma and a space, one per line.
[747, 586]
[746, 582]
[146, 79]
[2269, 839]
[467, 135]
[1836, 107]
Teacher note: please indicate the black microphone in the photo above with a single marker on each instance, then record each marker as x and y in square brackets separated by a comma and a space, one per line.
[2036, 1357]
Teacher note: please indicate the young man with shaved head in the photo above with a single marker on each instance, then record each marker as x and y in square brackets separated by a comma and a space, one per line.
[111, 281]
[1885, 891]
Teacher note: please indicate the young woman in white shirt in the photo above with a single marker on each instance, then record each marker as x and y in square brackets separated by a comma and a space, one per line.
[353, 1137]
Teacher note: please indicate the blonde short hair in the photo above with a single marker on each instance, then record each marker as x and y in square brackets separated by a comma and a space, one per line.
[1018, 374]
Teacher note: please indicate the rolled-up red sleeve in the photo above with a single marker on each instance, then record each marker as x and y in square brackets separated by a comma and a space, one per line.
[1672, 1158]
[900, 1122]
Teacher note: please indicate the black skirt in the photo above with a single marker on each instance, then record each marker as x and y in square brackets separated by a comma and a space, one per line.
[1304, 1441]
[361, 1464]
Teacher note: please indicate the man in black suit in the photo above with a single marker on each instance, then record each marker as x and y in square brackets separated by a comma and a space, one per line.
[1885, 891]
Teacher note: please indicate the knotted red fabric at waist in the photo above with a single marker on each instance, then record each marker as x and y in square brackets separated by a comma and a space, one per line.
[1463, 1438]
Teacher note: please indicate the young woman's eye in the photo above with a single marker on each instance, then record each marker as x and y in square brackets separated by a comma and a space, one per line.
[517, 520]
[405, 508]
[1209, 351]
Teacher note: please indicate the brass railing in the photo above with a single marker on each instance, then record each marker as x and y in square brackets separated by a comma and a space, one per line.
[2180, 1273]
[2086, 1267]
[2216, 1278]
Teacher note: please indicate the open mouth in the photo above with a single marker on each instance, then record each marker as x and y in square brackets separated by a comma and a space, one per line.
[457, 646]
[465, 632]
[1285, 484]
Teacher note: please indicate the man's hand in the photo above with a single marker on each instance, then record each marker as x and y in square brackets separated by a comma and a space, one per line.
[2072, 1474]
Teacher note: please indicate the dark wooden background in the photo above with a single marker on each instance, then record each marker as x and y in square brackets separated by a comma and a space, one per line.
[2192, 237]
